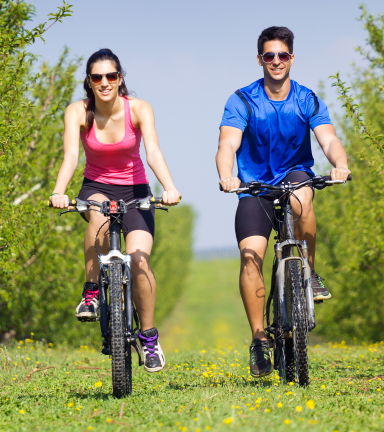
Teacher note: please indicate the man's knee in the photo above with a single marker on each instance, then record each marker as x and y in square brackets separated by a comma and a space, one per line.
[303, 204]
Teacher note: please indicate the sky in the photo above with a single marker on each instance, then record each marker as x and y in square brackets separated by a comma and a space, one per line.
[187, 58]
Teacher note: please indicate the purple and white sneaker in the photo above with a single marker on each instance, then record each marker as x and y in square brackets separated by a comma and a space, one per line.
[154, 359]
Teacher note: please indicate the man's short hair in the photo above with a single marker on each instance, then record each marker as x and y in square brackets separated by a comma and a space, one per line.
[282, 34]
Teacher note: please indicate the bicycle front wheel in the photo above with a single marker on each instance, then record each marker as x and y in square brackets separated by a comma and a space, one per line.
[299, 324]
[118, 343]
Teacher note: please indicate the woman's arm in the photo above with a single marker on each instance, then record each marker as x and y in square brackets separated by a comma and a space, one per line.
[155, 159]
[72, 122]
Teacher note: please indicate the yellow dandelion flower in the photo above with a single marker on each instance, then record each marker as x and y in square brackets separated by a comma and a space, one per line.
[310, 404]
[90, 428]
[109, 420]
[323, 386]
[207, 427]
[267, 410]
[299, 409]
[70, 404]
[280, 405]
[287, 421]
[291, 383]
[98, 384]
[21, 411]
[268, 390]
[228, 420]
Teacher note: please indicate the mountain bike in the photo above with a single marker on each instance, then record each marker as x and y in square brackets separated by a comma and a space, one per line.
[117, 313]
[291, 293]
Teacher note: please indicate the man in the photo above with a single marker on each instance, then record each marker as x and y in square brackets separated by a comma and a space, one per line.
[267, 125]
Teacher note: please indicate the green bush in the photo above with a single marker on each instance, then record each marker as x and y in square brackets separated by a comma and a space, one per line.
[350, 228]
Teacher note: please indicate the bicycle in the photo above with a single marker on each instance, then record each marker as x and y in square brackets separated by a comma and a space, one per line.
[291, 291]
[117, 315]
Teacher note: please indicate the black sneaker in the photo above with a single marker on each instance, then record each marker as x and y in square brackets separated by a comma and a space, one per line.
[260, 359]
[154, 359]
[88, 308]
[320, 291]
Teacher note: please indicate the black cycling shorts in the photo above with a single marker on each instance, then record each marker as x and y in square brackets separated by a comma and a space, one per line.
[255, 216]
[134, 219]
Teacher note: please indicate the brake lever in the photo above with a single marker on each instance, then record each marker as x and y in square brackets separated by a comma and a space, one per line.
[69, 211]
[161, 208]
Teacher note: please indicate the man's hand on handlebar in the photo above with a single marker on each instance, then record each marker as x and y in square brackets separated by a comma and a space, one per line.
[60, 201]
[340, 173]
[229, 183]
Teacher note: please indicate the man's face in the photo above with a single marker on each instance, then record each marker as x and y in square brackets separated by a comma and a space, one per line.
[276, 70]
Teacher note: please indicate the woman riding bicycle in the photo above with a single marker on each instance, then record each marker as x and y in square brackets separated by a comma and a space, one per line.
[110, 124]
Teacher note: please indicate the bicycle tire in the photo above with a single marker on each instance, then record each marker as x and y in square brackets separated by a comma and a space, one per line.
[290, 374]
[299, 324]
[279, 345]
[118, 350]
[128, 369]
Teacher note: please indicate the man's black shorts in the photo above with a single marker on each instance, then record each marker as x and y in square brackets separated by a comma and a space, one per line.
[254, 215]
[134, 219]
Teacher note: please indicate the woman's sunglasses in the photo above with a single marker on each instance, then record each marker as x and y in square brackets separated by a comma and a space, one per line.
[111, 77]
[268, 57]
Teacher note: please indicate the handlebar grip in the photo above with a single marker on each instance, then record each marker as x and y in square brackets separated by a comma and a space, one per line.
[327, 178]
[157, 200]
[243, 185]
[72, 202]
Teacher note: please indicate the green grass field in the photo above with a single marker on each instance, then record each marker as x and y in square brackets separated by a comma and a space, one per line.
[205, 385]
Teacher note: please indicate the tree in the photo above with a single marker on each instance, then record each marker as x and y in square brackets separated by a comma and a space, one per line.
[350, 229]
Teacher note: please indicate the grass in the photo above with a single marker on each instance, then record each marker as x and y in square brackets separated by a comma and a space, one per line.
[201, 388]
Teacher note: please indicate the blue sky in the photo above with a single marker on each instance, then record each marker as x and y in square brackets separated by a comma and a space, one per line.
[187, 58]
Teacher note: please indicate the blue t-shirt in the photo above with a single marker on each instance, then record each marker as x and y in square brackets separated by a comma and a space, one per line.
[276, 134]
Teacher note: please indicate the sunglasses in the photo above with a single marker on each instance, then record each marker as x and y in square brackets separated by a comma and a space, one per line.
[268, 57]
[111, 77]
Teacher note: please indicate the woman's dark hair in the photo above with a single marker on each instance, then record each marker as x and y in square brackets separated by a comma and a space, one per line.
[101, 55]
[282, 34]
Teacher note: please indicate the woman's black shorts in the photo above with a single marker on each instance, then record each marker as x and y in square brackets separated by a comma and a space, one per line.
[254, 215]
[134, 219]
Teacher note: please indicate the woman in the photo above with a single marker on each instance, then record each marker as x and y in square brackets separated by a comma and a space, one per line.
[110, 125]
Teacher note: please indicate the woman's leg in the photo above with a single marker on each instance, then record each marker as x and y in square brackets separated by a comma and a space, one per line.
[95, 219]
[139, 245]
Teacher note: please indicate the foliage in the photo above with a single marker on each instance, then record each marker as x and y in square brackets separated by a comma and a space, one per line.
[350, 229]
[171, 256]
[41, 256]
[197, 391]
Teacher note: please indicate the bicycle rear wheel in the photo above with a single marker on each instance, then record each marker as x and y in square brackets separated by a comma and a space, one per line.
[118, 343]
[299, 324]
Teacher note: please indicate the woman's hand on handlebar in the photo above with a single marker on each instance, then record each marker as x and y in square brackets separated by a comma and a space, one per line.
[229, 183]
[171, 198]
[340, 173]
[60, 201]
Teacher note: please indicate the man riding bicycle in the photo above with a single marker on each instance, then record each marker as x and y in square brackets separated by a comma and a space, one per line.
[267, 125]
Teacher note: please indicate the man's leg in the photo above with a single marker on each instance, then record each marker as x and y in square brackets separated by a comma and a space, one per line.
[305, 229]
[252, 251]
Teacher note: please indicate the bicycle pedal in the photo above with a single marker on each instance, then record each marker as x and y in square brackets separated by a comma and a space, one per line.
[88, 319]
[318, 301]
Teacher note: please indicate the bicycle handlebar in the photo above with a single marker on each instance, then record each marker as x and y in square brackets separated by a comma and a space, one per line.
[113, 207]
[318, 182]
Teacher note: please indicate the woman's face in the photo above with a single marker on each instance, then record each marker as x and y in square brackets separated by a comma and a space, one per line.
[105, 90]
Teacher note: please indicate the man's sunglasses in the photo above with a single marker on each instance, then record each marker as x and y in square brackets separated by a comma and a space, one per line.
[268, 57]
[111, 77]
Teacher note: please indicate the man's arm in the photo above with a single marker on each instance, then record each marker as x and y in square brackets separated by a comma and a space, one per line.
[333, 150]
[229, 143]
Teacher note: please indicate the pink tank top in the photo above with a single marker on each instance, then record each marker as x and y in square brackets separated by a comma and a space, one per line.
[118, 163]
